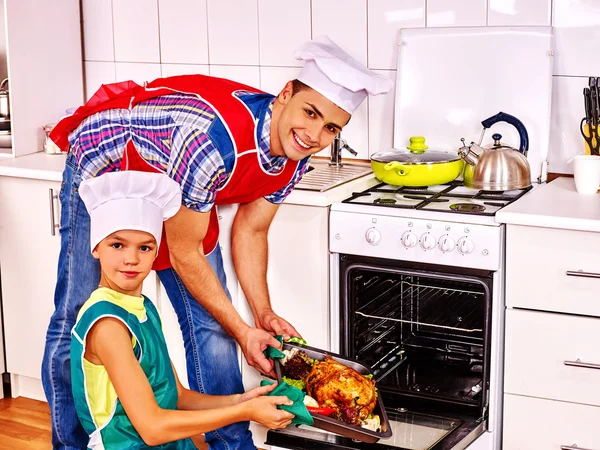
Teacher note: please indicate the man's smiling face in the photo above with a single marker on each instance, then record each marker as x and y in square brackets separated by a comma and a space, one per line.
[307, 123]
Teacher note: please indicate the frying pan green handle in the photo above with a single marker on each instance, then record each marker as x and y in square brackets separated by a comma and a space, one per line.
[399, 167]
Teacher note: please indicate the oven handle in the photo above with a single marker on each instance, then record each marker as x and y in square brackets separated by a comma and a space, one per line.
[581, 273]
[573, 447]
[578, 363]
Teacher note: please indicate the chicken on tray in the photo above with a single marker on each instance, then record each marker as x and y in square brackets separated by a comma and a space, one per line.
[334, 386]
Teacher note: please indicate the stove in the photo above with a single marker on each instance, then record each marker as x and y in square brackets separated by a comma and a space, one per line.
[452, 197]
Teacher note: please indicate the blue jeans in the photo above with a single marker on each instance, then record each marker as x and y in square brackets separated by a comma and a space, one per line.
[210, 352]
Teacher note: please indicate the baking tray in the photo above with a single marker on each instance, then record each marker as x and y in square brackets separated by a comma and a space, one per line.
[334, 425]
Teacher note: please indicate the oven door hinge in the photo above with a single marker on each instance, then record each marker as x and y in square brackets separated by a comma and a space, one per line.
[484, 415]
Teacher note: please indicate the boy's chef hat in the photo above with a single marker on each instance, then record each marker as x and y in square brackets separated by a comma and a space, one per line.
[333, 73]
[129, 200]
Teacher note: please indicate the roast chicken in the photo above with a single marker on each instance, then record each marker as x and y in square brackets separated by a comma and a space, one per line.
[334, 385]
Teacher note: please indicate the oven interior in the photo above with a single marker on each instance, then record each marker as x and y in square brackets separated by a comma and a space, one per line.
[425, 332]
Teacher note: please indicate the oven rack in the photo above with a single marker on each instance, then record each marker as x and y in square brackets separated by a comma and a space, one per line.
[417, 305]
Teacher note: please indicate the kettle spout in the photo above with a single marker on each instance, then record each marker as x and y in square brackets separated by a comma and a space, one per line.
[470, 153]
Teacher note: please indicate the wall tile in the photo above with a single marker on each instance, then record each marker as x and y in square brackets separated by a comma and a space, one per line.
[519, 12]
[233, 32]
[249, 75]
[457, 13]
[567, 111]
[136, 30]
[183, 31]
[386, 17]
[138, 72]
[98, 39]
[273, 79]
[381, 117]
[348, 30]
[577, 37]
[97, 74]
[169, 70]
[283, 25]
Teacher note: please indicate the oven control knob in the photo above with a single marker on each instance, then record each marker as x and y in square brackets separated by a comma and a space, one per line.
[428, 241]
[409, 239]
[373, 236]
[465, 245]
[446, 243]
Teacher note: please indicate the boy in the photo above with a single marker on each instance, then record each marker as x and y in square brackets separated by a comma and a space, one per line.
[126, 391]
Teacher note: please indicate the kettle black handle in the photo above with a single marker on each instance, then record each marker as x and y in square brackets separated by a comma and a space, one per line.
[503, 117]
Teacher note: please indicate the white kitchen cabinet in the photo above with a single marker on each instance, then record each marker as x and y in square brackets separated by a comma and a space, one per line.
[552, 368]
[29, 248]
[45, 68]
[557, 284]
[535, 423]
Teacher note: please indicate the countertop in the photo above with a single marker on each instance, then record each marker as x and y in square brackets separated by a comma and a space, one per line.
[554, 205]
[37, 166]
[41, 166]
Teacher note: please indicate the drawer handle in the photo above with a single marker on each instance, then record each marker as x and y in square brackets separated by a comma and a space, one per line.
[581, 273]
[53, 225]
[578, 363]
[572, 447]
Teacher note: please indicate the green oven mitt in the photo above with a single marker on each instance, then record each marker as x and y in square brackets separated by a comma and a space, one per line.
[298, 409]
[272, 353]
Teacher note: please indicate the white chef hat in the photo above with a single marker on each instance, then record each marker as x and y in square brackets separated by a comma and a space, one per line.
[333, 73]
[129, 200]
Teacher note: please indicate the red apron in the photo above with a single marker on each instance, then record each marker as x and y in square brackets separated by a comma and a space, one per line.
[248, 180]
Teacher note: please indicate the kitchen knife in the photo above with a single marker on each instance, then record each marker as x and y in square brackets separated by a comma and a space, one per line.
[593, 101]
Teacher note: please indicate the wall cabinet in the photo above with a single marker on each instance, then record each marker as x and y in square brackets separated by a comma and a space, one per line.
[45, 67]
[29, 248]
[552, 362]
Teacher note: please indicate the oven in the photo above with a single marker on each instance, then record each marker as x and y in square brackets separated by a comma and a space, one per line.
[417, 295]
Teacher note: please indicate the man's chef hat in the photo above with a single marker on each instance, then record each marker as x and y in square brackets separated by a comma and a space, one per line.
[333, 73]
[129, 200]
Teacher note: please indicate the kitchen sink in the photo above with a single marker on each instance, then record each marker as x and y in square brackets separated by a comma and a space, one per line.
[321, 176]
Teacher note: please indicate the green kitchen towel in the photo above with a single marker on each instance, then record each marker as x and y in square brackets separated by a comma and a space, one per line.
[273, 353]
[298, 409]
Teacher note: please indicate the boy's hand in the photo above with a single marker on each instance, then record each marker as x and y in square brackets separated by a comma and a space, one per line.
[257, 392]
[264, 411]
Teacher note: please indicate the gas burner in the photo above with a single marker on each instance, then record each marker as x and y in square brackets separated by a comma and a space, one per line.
[467, 207]
[385, 201]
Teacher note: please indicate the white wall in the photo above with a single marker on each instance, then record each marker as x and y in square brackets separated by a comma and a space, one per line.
[252, 41]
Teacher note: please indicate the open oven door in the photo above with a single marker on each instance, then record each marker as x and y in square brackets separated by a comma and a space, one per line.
[411, 431]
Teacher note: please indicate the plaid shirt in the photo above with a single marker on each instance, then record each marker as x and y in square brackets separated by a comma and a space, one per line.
[174, 133]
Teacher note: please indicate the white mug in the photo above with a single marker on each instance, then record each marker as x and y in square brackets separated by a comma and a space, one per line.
[587, 173]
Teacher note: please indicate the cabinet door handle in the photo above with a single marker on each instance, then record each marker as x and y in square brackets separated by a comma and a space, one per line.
[573, 447]
[53, 224]
[581, 273]
[579, 363]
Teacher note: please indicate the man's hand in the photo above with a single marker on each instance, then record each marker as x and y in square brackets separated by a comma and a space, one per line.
[253, 344]
[269, 321]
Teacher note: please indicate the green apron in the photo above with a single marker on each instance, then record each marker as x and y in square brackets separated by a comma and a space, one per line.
[150, 349]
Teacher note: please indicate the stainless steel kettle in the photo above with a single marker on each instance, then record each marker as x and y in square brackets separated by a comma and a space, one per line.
[497, 167]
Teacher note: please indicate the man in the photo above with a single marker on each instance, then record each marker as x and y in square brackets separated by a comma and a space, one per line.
[224, 143]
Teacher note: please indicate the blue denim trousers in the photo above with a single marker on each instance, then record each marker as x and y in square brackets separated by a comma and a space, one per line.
[211, 357]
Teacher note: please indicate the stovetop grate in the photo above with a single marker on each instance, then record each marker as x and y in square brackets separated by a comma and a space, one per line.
[442, 198]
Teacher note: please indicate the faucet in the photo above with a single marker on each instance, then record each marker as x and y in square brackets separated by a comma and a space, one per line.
[337, 146]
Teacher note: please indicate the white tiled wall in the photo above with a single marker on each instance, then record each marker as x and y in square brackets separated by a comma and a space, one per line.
[252, 41]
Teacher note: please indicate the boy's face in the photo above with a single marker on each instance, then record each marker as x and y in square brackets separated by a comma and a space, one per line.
[307, 124]
[126, 258]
